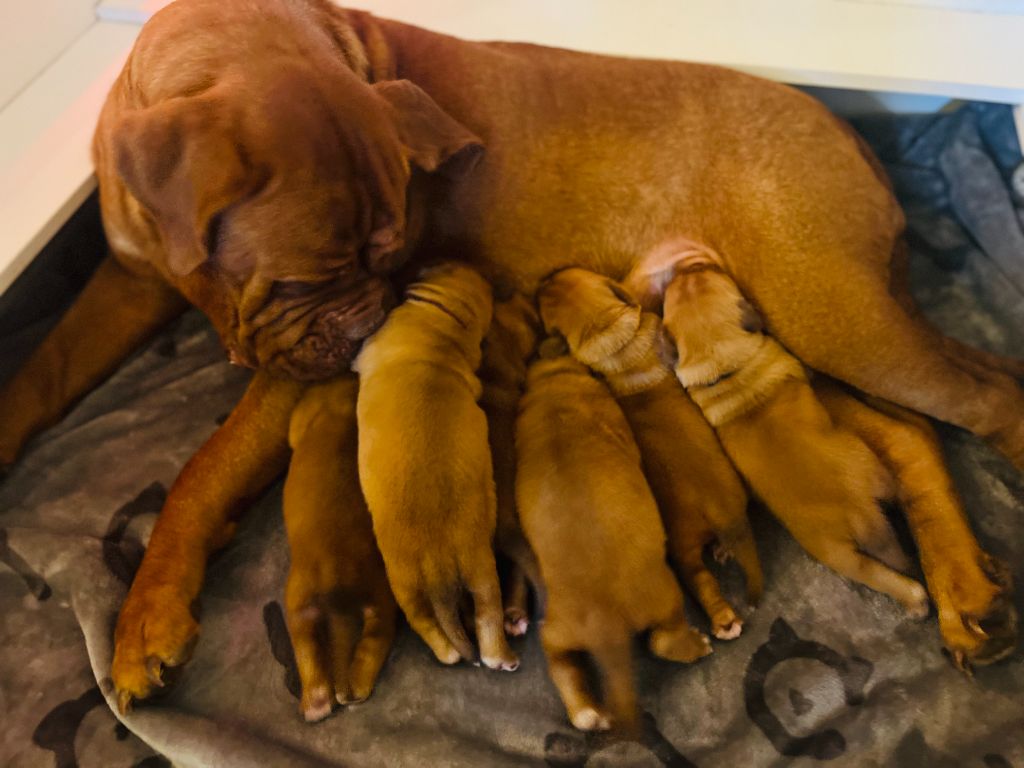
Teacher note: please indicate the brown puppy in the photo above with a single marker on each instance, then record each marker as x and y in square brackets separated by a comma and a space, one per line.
[818, 478]
[425, 465]
[699, 494]
[509, 343]
[206, 194]
[589, 515]
[340, 611]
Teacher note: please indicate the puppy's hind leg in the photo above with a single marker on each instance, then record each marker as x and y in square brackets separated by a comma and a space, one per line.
[570, 678]
[847, 561]
[687, 549]
[841, 319]
[672, 637]
[970, 588]
[515, 595]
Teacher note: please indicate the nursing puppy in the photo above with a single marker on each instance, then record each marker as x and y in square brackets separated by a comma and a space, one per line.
[425, 466]
[339, 607]
[509, 343]
[818, 478]
[701, 498]
[589, 515]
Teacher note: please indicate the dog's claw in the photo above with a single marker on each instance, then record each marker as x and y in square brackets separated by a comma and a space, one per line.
[124, 702]
[155, 671]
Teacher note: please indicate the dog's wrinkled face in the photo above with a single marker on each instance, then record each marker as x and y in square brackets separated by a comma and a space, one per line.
[280, 201]
[714, 328]
[595, 314]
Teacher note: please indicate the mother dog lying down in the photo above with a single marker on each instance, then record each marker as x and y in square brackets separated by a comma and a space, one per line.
[276, 190]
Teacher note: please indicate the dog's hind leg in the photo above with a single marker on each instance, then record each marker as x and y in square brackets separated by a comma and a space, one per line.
[970, 358]
[971, 590]
[849, 562]
[842, 320]
[115, 313]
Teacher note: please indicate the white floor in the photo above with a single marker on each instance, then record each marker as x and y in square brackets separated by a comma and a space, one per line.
[58, 58]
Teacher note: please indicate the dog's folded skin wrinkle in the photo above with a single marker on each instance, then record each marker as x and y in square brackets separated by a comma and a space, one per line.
[700, 497]
[818, 477]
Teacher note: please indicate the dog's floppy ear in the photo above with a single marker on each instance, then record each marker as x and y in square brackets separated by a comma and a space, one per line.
[179, 160]
[430, 135]
[750, 320]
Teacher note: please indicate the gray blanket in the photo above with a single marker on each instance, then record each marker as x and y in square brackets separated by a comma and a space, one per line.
[824, 671]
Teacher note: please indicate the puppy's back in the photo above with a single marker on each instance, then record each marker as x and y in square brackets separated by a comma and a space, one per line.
[583, 500]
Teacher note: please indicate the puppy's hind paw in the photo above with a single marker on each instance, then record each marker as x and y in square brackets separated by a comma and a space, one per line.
[516, 622]
[683, 644]
[729, 631]
[589, 719]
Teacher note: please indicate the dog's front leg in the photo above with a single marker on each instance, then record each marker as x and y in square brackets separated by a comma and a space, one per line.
[114, 314]
[156, 627]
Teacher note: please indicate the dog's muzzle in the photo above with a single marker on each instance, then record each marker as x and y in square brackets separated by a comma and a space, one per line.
[334, 336]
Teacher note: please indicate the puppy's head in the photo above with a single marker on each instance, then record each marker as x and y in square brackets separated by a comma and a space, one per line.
[714, 328]
[595, 314]
[275, 185]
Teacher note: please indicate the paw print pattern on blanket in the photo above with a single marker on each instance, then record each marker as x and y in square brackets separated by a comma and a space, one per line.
[122, 555]
[573, 750]
[35, 583]
[783, 644]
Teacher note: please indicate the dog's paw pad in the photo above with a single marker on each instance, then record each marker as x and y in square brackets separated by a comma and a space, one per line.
[730, 631]
[918, 606]
[516, 626]
[317, 705]
[589, 719]
[500, 663]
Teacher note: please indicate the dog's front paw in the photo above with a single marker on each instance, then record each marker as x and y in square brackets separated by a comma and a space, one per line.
[976, 615]
[156, 632]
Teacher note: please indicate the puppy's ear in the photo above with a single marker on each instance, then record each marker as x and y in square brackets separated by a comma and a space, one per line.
[552, 347]
[750, 320]
[180, 160]
[430, 135]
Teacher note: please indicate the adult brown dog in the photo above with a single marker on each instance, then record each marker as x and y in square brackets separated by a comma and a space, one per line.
[822, 460]
[590, 517]
[700, 496]
[425, 466]
[340, 611]
[272, 190]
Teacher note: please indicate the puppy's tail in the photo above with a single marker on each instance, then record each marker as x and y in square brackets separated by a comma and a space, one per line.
[615, 661]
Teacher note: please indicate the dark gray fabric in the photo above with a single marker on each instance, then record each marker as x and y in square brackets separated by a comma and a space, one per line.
[824, 671]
